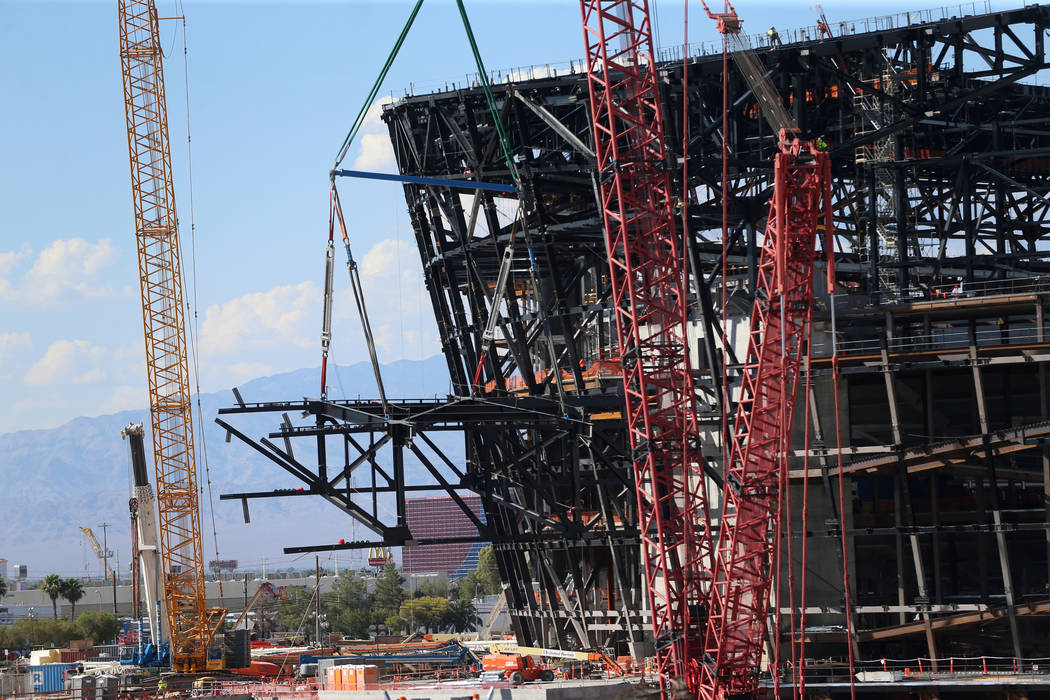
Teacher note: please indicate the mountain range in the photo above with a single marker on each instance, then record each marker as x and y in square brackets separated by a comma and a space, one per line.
[78, 474]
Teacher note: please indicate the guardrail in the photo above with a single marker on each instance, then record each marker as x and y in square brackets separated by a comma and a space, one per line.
[918, 669]
[941, 292]
[709, 48]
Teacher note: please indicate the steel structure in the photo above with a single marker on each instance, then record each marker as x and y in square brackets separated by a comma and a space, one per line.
[939, 173]
[167, 366]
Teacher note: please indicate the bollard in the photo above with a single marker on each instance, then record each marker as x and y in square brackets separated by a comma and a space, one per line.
[984, 665]
[951, 665]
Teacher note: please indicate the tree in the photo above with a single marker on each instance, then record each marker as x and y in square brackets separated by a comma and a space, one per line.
[484, 580]
[52, 588]
[292, 612]
[3, 587]
[426, 611]
[461, 616]
[434, 588]
[99, 627]
[348, 607]
[393, 623]
[72, 590]
[488, 572]
[389, 593]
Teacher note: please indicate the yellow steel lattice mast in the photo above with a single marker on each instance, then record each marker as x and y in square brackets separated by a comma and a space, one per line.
[167, 366]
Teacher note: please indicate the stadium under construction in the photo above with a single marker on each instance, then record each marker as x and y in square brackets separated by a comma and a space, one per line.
[916, 542]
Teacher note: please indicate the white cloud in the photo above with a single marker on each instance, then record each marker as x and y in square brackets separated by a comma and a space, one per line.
[385, 258]
[262, 320]
[375, 153]
[65, 270]
[65, 360]
[124, 397]
[9, 259]
[10, 344]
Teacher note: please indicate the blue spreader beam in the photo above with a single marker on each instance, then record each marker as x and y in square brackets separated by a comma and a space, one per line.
[436, 181]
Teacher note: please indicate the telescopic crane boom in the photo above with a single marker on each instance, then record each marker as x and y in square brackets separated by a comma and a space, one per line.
[191, 624]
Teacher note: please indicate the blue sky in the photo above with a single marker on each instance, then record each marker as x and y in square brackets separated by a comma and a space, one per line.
[273, 88]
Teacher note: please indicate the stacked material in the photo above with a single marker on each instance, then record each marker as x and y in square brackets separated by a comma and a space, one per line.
[352, 677]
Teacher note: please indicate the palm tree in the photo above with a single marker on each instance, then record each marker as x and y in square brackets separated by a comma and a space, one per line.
[461, 615]
[52, 588]
[72, 590]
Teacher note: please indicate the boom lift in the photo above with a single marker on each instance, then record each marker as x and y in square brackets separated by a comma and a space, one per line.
[709, 597]
[191, 625]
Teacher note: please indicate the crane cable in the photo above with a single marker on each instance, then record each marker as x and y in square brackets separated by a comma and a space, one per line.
[194, 328]
[360, 119]
[842, 515]
[336, 211]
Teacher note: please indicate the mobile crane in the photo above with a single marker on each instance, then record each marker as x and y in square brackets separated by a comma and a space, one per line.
[708, 594]
[191, 624]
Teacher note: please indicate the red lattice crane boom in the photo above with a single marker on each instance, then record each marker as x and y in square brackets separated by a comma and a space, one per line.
[709, 601]
[744, 565]
[648, 276]
[745, 562]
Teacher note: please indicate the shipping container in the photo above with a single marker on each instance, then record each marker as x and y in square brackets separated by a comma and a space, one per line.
[69, 656]
[107, 652]
[50, 678]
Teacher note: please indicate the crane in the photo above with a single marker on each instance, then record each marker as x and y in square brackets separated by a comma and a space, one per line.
[144, 534]
[103, 556]
[759, 442]
[708, 594]
[191, 625]
[648, 277]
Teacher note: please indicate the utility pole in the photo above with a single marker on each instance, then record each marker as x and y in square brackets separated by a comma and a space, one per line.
[105, 549]
[317, 599]
[105, 563]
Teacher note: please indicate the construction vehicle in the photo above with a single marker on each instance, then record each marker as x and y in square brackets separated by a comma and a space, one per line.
[191, 626]
[595, 660]
[708, 594]
[102, 555]
[516, 668]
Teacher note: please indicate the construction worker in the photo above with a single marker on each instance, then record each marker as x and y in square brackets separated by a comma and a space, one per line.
[822, 145]
[774, 37]
[162, 685]
[822, 29]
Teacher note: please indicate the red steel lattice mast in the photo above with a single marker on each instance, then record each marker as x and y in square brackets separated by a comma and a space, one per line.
[648, 280]
[744, 565]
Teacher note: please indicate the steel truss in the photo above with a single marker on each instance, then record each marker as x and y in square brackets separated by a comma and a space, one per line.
[969, 166]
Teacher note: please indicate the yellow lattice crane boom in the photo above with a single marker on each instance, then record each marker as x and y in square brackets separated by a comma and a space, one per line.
[192, 624]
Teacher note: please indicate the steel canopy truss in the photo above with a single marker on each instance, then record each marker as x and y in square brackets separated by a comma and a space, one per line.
[647, 270]
[557, 519]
